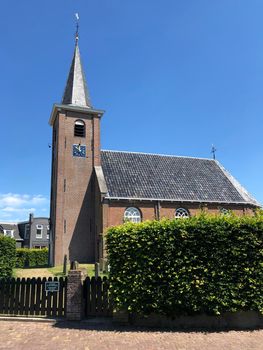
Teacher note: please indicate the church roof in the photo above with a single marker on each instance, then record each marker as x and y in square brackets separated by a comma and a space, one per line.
[130, 175]
[76, 91]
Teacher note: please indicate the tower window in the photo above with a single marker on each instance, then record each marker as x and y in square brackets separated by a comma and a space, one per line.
[79, 128]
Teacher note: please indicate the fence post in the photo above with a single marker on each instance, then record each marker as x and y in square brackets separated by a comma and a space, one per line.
[97, 270]
[65, 265]
[75, 302]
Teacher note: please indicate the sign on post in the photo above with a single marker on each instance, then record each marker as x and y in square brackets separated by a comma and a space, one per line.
[51, 286]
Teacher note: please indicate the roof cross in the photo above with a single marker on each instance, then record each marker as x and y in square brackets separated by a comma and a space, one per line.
[213, 151]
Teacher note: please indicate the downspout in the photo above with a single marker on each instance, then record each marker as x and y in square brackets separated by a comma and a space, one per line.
[157, 210]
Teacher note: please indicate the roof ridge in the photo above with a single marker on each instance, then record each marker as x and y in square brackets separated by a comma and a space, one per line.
[157, 154]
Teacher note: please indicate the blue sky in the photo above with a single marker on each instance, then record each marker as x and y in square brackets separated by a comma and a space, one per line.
[173, 76]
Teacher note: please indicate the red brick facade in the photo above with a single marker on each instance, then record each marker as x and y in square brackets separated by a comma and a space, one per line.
[72, 193]
[149, 210]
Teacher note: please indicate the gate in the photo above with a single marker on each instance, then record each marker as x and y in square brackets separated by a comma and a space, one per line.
[96, 297]
[25, 297]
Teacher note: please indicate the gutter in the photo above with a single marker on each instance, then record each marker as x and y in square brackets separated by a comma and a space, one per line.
[179, 200]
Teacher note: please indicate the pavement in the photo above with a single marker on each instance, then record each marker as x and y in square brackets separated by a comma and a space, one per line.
[27, 334]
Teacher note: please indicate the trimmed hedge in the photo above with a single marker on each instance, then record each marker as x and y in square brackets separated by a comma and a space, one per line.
[7, 256]
[31, 257]
[188, 266]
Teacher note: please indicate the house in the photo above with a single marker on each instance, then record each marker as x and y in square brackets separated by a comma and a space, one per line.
[93, 189]
[11, 230]
[33, 233]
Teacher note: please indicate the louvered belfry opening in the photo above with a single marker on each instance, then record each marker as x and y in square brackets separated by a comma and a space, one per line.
[79, 128]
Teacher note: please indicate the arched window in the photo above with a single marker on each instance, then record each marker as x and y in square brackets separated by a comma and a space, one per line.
[79, 128]
[132, 214]
[182, 213]
[224, 211]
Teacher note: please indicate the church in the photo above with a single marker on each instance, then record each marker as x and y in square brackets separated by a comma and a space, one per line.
[93, 189]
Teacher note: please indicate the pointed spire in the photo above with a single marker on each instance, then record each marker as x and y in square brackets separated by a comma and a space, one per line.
[76, 91]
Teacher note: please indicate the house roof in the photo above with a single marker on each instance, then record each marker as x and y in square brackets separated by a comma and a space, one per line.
[143, 176]
[14, 228]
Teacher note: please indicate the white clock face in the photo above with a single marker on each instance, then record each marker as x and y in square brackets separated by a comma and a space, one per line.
[79, 151]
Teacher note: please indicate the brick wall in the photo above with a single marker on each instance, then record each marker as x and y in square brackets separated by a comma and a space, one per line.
[72, 216]
[115, 210]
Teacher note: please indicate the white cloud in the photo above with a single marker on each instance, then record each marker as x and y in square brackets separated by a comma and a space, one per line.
[19, 210]
[16, 207]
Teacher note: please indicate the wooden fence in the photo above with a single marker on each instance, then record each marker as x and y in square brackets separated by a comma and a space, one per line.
[28, 297]
[96, 297]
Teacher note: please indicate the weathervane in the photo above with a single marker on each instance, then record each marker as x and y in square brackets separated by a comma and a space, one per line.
[77, 28]
[213, 151]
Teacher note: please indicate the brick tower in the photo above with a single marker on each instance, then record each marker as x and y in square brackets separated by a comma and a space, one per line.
[75, 152]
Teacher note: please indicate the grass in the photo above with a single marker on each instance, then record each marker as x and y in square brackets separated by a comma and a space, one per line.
[56, 271]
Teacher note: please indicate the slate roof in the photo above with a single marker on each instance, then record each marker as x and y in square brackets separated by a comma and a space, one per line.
[76, 91]
[14, 227]
[152, 176]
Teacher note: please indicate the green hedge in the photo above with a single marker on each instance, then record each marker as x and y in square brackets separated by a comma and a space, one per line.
[189, 266]
[31, 257]
[7, 256]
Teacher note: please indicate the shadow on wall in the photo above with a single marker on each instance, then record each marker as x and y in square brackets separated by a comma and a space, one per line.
[82, 243]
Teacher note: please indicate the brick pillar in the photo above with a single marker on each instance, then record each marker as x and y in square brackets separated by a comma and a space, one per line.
[75, 305]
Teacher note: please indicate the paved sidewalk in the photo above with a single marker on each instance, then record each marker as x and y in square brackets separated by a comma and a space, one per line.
[25, 335]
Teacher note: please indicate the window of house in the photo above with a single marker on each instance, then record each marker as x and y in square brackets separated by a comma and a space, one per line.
[39, 231]
[224, 211]
[182, 213]
[79, 128]
[132, 214]
[48, 231]
[9, 233]
[27, 231]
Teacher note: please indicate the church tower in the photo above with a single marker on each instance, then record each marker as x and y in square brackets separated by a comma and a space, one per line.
[75, 153]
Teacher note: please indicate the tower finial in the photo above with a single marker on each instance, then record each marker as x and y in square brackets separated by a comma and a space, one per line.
[77, 29]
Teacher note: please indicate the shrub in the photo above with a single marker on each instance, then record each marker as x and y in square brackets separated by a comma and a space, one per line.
[7, 256]
[197, 265]
[31, 257]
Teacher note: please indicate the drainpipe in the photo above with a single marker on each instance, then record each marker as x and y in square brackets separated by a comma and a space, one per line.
[157, 210]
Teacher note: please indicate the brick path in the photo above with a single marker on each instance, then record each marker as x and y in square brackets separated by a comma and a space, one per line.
[26, 335]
